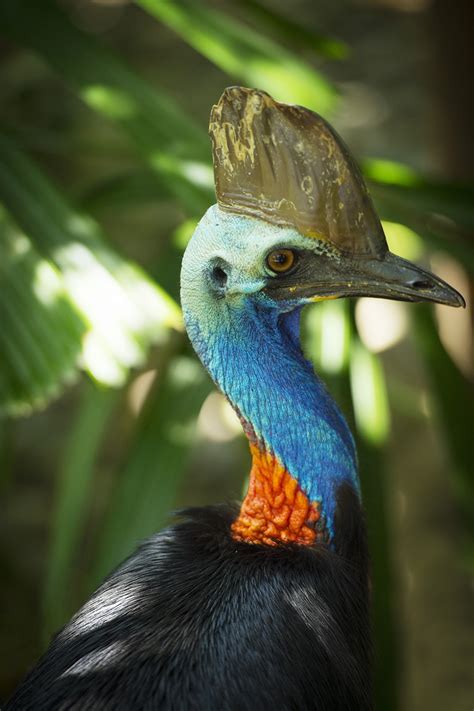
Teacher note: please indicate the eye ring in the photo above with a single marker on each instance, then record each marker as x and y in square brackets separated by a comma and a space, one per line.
[280, 261]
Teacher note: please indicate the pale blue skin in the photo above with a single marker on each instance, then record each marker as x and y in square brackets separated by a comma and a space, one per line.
[250, 345]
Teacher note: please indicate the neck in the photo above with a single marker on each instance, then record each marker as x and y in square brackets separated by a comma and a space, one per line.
[301, 446]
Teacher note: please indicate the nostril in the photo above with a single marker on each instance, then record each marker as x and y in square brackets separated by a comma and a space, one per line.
[420, 284]
[219, 276]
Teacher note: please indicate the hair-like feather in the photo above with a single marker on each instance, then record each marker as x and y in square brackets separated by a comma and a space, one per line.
[197, 620]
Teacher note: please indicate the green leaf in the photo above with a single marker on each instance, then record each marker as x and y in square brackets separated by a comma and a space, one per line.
[244, 54]
[146, 491]
[73, 491]
[121, 191]
[329, 325]
[124, 311]
[455, 201]
[435, 232]
[372, 420]
[454, 397]
[442, 213]
[294, 32]
[172, 145]
[369, 395]
[41, 331]
[374, 474]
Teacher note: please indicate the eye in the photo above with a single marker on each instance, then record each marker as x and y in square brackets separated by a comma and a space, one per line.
[281, 260]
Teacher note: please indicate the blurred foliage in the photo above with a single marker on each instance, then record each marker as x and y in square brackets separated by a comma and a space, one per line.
[70, 301]
[121, 309]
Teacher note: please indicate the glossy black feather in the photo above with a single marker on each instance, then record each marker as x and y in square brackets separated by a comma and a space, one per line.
[195, 620]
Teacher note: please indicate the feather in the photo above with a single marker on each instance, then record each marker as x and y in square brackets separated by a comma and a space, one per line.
[197, 620]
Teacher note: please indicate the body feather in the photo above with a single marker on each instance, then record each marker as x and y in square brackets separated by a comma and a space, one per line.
[197, 620]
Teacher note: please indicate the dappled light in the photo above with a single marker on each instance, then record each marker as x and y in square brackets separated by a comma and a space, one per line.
[381, 324]
[110, 101]
[455, 329]
[391, 172]
[47, 285]
[403, 241]
[369, 395]
[41, 331]
[217, 421]
[329, 344]
[240, 51]
[109, 422]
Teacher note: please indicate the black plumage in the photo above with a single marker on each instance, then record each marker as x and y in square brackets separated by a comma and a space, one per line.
[197, 620]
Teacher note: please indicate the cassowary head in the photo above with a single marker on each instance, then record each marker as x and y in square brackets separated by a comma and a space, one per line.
[294, 222]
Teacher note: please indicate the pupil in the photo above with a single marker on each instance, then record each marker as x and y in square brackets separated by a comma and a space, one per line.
[281, 261]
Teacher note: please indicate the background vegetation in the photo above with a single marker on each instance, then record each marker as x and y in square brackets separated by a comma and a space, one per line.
[108, 420]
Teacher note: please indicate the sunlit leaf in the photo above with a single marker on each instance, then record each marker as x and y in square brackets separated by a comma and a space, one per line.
[403, 241]
[369, 395]
[245, 55]
[41, 330]
[167, 138]
[390, 172]
[124, 311]
[293, 31]
[329, 327]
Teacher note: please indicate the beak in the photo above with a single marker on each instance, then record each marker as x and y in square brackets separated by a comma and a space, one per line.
[322, 277]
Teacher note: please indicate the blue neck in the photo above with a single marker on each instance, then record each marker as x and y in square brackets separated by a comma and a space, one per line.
[256, 360]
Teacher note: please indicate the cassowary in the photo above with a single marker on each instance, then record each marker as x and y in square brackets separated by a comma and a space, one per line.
[263, 605]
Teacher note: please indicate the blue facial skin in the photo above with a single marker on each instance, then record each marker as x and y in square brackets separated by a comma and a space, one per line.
[251, 346]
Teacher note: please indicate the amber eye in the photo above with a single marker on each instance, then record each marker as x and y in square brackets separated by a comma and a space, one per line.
[281, 260]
